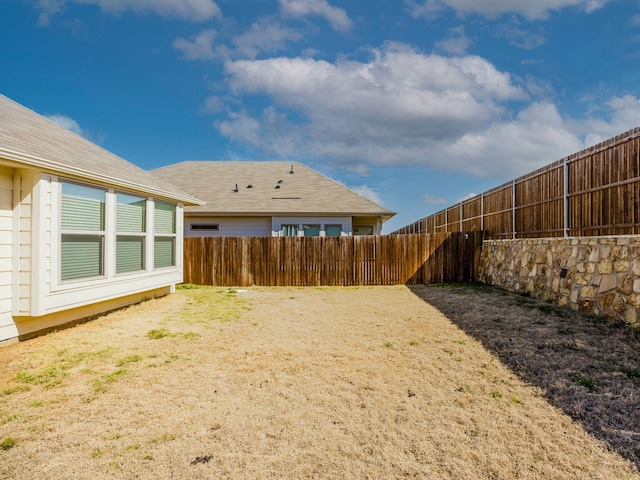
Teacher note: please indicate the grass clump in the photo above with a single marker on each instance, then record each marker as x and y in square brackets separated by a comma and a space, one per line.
[128, 359]
[158, 333]
[587, 383]
[48, 376]
[8, 443]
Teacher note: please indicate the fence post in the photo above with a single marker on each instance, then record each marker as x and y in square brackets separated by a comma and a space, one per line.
[513, 207]
[482, 211]
[461, 216]
[565, 194]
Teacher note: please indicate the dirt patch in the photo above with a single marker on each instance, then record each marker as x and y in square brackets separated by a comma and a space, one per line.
[281, 383]
[589, 367]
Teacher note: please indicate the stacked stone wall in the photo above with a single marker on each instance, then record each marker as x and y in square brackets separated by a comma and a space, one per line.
[599, 275]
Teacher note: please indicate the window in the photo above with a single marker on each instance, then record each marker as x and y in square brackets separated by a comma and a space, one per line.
[311, 230]
[164, 240]
[130, 233]
[83, 232]
[363, 230]
[290, 230]
[207, 227]
[333, 230]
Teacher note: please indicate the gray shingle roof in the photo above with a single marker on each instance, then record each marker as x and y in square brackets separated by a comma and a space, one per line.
[273, 189]
[30, 139]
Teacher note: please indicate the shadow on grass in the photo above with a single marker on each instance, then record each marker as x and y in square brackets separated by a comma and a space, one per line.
[586, 366]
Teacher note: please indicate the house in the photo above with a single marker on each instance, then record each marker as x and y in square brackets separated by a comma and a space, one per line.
[82, 231]
[268, 198]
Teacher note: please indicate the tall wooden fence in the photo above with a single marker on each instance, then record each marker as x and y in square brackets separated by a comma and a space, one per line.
[590, 193]
[340, 261]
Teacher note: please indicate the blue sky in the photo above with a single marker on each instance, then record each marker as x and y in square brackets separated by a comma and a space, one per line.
[414, 103]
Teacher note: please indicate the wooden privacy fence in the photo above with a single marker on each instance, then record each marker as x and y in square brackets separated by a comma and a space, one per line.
[590, 193]
[339, 261]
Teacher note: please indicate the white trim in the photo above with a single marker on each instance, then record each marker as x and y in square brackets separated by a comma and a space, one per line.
[15, 302]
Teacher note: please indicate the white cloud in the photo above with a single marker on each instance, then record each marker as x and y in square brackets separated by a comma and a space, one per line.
[519, 37]
[403, 107]
[530, 9]
[73, 126]
[468, 196]
[199, 48]
[265, 35]
[624, 115]
[67, 122]
[337, 17]
[431, 199]
[193, 10]
[456, 43]
[367, 192]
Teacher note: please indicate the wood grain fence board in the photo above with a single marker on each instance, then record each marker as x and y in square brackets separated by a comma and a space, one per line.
[335, 261]
[603, 198]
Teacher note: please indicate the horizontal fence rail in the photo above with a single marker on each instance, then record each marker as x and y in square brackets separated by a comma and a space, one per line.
[594, 192]
[337, 261]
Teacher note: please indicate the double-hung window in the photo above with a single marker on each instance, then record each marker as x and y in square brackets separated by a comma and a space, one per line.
[82, 232]
[130, 233]
[164, 239]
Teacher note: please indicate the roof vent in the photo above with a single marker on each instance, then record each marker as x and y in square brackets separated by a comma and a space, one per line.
[249, 186]
[291, 171]
[277, 187]
[279, 181]
[235, 190]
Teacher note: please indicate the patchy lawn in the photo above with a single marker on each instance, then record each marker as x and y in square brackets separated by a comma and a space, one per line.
[368, 382]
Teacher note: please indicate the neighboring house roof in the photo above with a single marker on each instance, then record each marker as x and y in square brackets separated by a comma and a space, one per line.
[274, 190]
[31, 139]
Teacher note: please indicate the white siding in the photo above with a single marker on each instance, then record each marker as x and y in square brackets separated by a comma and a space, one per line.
[7, 327]
[230, 226]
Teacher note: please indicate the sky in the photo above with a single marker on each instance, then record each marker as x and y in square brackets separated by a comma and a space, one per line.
[416, 104]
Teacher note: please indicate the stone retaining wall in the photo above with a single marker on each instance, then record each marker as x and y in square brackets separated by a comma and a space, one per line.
[599, 275]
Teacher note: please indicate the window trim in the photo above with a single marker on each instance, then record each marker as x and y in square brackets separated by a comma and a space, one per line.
[109, 276]
[78, 232]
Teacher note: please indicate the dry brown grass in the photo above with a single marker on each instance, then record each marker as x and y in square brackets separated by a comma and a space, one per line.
[281, 383]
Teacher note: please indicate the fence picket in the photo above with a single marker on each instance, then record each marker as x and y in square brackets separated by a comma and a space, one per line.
[337, 261]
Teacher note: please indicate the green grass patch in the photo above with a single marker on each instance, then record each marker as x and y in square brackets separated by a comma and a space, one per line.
[16, 389]
[50, 375]
[8, 443]
[128, 359]
[631, 372]
[158, 333]
[587, 383]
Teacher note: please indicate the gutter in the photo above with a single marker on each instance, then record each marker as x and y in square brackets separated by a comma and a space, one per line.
[79, 173]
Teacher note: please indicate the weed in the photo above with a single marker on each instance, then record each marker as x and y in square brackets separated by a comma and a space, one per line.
[128, 359]
[515, 400]
[9, 418]
[114, 376]
[413, 343]
[190, 335]
[388, 345]
[190, 286]
[48, 376]
[462, 342]
[631, 372]
[587, 383]
[165, 437]
[495, 394]
[37, 403]
[8, 443]
[158, 333]
[16, 389]
[95, 453]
